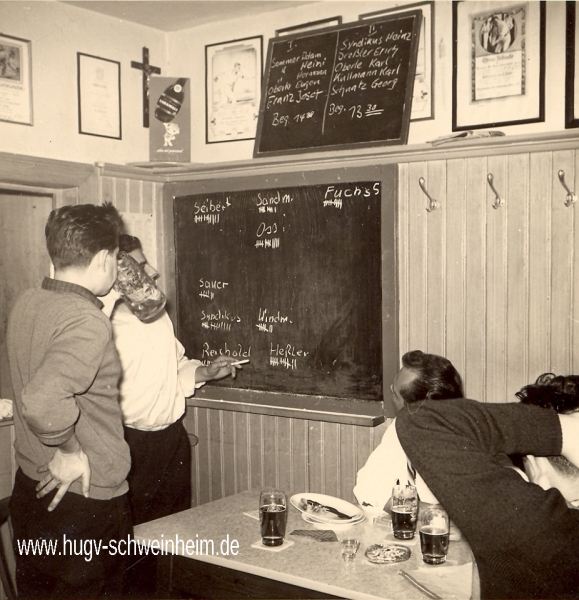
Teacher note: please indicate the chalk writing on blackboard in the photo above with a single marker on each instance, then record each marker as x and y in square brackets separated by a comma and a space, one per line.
[289, 278]
[348, 85]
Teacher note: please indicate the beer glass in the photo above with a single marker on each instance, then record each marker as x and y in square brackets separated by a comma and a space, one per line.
[404, 511]
[137, 289]
[434, 529]
[272, 516]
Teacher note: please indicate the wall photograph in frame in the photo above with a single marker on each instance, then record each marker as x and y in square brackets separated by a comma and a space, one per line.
[99, 96]
[572, 68]
[423, 92]
[498, 63]
[233, 72]
[15, 80]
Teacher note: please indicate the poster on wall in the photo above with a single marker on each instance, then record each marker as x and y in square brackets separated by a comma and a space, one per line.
[15, 80]
[233, 89]
[170, 120]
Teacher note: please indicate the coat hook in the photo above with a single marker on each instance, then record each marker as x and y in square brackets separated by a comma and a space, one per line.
[571, 197]
[432, 203]
[498, 200]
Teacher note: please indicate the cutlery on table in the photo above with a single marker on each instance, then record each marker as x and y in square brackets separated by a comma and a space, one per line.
[318, 507]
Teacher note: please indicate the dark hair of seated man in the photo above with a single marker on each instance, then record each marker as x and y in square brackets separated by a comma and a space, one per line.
[436, 378]
[559, 392]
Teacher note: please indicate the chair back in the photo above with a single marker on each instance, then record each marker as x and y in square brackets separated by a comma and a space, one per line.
[7, 577]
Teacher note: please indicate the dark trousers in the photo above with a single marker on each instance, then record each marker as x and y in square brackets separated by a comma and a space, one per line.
[75, 570]
[160, 475]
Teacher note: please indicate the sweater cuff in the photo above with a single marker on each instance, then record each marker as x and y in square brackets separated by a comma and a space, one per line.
[56, 439]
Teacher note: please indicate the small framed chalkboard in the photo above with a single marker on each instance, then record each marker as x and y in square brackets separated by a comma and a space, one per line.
[340, 87]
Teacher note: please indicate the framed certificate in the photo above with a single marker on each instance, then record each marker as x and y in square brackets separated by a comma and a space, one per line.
[498, 63]
[233, 73]
[15, 80]
[99, 96]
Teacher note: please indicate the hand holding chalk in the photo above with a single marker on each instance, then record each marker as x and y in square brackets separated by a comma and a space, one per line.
[239, 362]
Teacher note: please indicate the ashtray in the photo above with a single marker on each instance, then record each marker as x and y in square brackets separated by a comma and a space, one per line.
[386, 554]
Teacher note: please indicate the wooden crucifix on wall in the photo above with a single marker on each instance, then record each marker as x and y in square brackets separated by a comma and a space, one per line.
[147, 71]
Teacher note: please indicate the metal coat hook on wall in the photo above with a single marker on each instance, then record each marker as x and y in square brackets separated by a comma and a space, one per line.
[432, 203]
[498, 200]
[571, 197]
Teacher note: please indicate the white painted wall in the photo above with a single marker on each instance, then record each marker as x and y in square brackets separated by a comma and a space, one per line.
[59, 31]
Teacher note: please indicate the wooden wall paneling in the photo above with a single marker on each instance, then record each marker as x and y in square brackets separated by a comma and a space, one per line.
[348, 464]
[403, 259]
[241, 443]
[496, 283]
[270, 446]
[69, 196]
[562, 264]
[455, 212]
[228, 452]
[215, 429]
[316, 446]
[203, 457]
[108, 191]
[517, 282]
[574, 321]
[256, 447]
[540, 190]
[284, 454]
[436, 237]
[331, 458]
[190, 419]
[148, 191]
[475, 273]
[414, 243]
[300, 458]
[135, 195]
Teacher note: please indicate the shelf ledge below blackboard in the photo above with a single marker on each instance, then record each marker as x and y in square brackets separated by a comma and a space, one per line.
[313, 408]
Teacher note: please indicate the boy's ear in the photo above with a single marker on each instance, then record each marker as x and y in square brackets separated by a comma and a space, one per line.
[99, 260]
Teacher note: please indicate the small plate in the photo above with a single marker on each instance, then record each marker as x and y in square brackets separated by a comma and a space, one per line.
[387, 554]
[335, 525]
[355, 513]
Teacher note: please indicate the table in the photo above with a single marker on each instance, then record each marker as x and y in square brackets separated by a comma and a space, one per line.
[306, 569]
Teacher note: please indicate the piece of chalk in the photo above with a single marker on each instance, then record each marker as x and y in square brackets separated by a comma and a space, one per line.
[239, 362]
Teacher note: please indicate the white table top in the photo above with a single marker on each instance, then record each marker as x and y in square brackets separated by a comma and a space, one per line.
[307, 563]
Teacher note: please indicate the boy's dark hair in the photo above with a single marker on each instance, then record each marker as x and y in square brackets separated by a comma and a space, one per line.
[560, 392]
[75, 233]
[128, 243]
[552, 391]
[436, 378]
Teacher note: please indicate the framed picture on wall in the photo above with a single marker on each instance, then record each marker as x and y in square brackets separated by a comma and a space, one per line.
[99, 96]
[423, 92]
[233, 72]
[572, 68]
[15, 80]
[498, 63]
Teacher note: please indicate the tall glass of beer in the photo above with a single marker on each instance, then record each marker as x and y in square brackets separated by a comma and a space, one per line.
[404, 511]
[434, 529]
[272, 516]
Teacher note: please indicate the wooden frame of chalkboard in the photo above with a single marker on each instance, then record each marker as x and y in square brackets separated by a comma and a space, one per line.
[340, 87]
[237, 282]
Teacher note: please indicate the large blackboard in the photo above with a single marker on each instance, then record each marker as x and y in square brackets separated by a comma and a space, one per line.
[288, 277]
[345, 86]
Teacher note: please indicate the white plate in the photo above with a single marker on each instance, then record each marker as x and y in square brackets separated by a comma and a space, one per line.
[335, 525]
[355, 513]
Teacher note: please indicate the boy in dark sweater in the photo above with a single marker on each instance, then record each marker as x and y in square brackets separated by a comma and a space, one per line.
[71, 487]
[524, 534]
